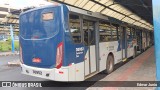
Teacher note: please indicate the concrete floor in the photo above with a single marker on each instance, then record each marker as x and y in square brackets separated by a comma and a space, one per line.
[141, 68]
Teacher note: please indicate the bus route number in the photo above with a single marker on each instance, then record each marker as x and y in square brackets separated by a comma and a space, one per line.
[79, 51]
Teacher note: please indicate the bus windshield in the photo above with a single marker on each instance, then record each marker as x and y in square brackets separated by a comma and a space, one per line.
[40, 23]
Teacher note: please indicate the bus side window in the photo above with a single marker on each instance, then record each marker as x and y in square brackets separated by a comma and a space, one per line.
[114, 33]
[118, 33]
[74, 24]
[133, 33]
[104, 31]
[128, 33]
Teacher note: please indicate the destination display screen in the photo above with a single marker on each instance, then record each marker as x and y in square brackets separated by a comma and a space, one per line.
[47, 16]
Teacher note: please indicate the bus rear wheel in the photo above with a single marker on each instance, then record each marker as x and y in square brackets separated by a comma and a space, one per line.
[109, 64]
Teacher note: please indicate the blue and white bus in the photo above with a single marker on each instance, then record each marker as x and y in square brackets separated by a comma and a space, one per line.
[64, 43]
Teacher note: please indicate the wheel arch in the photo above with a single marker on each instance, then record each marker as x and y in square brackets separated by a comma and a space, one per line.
[107, 70]
[111, 53]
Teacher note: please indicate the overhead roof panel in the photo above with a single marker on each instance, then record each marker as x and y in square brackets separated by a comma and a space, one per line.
[108, 2]
[100, 8]
[70, 2]
[143, 25]
[109, 13]
[117, 8]
[142, 21]
[110, 8]
[83, 3]
[89, 5]
[113, 6]
[125, 19]
[95, 7]
[78, 2]
[147, 24]
[137, 23]
[131, 21]
[103, 1]
[126, 12]
[151, 26]
[115, 14]
[120, 17]
[105, 11]
[121, 9]
[135, 17]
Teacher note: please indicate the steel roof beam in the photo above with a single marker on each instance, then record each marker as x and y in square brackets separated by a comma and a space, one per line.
[145, 6]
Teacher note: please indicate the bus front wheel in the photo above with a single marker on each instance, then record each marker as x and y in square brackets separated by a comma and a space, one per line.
[109, 64]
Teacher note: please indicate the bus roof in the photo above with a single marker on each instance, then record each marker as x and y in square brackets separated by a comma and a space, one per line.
[48, 6]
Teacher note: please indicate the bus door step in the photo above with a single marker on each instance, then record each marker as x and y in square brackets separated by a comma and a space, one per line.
[90, 75]
[125, 59]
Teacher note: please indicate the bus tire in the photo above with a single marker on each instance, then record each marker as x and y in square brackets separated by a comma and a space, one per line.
[109, 64]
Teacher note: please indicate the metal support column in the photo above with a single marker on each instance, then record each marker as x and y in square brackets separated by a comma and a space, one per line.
[12, 37]
[156, 20]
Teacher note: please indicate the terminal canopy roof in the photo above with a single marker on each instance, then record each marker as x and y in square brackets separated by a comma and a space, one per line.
[5, 13]
[130, 11]
[7, 18]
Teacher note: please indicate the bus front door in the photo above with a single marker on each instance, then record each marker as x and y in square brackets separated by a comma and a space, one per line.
[89, 42]
[124, 43]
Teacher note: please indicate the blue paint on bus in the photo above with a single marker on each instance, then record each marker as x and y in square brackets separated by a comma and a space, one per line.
[41, 37]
